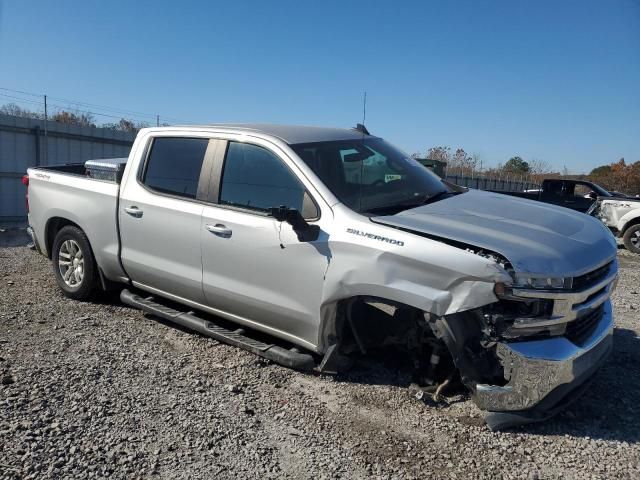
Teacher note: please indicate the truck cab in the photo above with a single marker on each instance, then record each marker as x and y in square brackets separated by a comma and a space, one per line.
[574, 194]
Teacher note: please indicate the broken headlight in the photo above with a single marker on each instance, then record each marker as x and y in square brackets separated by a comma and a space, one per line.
[543, 283]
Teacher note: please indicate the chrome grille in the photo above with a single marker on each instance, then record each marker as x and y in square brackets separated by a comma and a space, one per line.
[582, 327]
[580, 308]
[588, 279]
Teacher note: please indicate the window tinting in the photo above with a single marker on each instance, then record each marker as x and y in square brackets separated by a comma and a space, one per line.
[174, 165]
[370, 173]
[255, 178]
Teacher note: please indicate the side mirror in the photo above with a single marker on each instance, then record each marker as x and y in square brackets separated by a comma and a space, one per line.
[304, 231]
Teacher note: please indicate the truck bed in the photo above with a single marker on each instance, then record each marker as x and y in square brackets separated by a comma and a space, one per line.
[66, 192]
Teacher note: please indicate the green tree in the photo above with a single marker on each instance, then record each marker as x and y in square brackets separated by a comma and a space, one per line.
[516, 165]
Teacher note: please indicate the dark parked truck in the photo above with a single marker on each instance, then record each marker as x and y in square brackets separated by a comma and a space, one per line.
[311, 246]
[574, 194]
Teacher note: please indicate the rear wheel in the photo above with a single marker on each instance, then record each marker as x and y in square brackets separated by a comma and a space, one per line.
[74, 265]
[631, 239]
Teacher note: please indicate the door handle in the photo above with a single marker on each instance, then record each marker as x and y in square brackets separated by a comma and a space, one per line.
[220, 230]
[134, 211]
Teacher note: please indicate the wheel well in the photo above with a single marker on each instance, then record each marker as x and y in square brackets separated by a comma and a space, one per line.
[629, 224]
[375, 328]
[54, 225]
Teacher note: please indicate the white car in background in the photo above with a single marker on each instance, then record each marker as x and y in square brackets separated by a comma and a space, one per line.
[622, 216]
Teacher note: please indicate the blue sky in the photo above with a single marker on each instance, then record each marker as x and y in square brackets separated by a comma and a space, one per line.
[553, 80]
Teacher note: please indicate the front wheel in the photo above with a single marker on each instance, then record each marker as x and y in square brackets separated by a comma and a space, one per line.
[631, 239]
[74, 265]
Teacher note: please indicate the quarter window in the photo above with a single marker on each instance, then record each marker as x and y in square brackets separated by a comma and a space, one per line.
[174, 165]
[257, 179]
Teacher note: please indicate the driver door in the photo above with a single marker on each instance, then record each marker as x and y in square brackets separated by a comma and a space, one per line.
[578, 197]
[254, 267]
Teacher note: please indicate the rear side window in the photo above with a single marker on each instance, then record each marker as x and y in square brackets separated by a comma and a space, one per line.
[257, 179]
[174, 165]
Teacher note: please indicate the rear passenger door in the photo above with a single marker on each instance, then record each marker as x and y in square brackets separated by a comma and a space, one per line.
[254, 267]
[160, 214]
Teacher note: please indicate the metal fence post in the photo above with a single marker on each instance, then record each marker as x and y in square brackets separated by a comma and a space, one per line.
[36, 134]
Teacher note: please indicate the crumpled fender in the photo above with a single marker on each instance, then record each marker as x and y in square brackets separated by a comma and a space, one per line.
[423, 273]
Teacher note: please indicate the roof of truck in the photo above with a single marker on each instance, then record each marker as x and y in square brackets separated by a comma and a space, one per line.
[293, 134]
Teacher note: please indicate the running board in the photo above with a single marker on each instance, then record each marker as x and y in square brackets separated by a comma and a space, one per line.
[288, 358]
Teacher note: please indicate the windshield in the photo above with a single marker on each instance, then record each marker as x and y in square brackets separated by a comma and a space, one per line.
[601, 191]
[370, 175]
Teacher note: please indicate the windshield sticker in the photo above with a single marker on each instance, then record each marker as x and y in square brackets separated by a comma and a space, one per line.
[360, 233]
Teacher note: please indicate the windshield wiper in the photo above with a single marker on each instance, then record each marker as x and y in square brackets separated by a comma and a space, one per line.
[412, 203]
[437, 196]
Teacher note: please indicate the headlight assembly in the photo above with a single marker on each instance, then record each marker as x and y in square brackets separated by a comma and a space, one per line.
[543, 283]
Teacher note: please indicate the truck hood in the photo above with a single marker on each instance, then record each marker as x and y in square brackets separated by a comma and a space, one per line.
[535, 237]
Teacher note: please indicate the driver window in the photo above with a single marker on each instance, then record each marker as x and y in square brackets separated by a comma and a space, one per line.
[256, 179]
[582, 191]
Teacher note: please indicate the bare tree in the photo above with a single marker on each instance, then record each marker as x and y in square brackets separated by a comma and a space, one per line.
[125, 125]
[442, 154]
[538, 169]
[17, 111]
[83, 119]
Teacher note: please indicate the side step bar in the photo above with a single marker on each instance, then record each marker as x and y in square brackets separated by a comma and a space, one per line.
[288, 358]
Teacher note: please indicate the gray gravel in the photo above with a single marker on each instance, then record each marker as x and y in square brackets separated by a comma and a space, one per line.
[93, 390]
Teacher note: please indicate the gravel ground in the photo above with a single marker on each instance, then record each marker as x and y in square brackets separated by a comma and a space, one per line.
[92, 390]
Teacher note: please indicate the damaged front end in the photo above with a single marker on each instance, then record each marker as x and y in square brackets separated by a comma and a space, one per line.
[523, 358]
[527, 355]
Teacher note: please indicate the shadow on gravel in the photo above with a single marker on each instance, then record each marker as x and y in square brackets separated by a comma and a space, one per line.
[378, 370]
[610, 408]
[394, 369]
[111, 298]
[13, 237]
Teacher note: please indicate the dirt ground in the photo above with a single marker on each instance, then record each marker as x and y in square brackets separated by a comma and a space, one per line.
[94, 390]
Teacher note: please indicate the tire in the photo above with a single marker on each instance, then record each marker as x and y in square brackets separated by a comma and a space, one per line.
[631, 238]
[74, 265]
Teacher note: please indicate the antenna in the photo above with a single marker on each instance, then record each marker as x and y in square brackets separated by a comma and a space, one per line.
[360, 126]
[364, 108]
[364, 131]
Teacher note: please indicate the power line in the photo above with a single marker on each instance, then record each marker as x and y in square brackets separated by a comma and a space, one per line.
[66, 107]
[150, 116]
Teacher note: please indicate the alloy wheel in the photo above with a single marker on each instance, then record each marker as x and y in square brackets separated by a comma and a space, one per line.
[71, 263]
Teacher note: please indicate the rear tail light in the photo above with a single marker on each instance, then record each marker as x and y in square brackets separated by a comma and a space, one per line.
[25, 182]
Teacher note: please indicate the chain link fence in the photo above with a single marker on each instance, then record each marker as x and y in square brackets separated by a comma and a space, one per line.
[501, 184]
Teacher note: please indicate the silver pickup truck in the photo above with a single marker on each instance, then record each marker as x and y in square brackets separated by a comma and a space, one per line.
[313, 246]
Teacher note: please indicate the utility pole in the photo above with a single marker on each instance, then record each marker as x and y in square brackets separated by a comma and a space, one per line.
[157, 120]
[46, 138]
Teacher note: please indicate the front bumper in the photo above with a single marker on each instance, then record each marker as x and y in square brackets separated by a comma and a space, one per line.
[553, 367]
